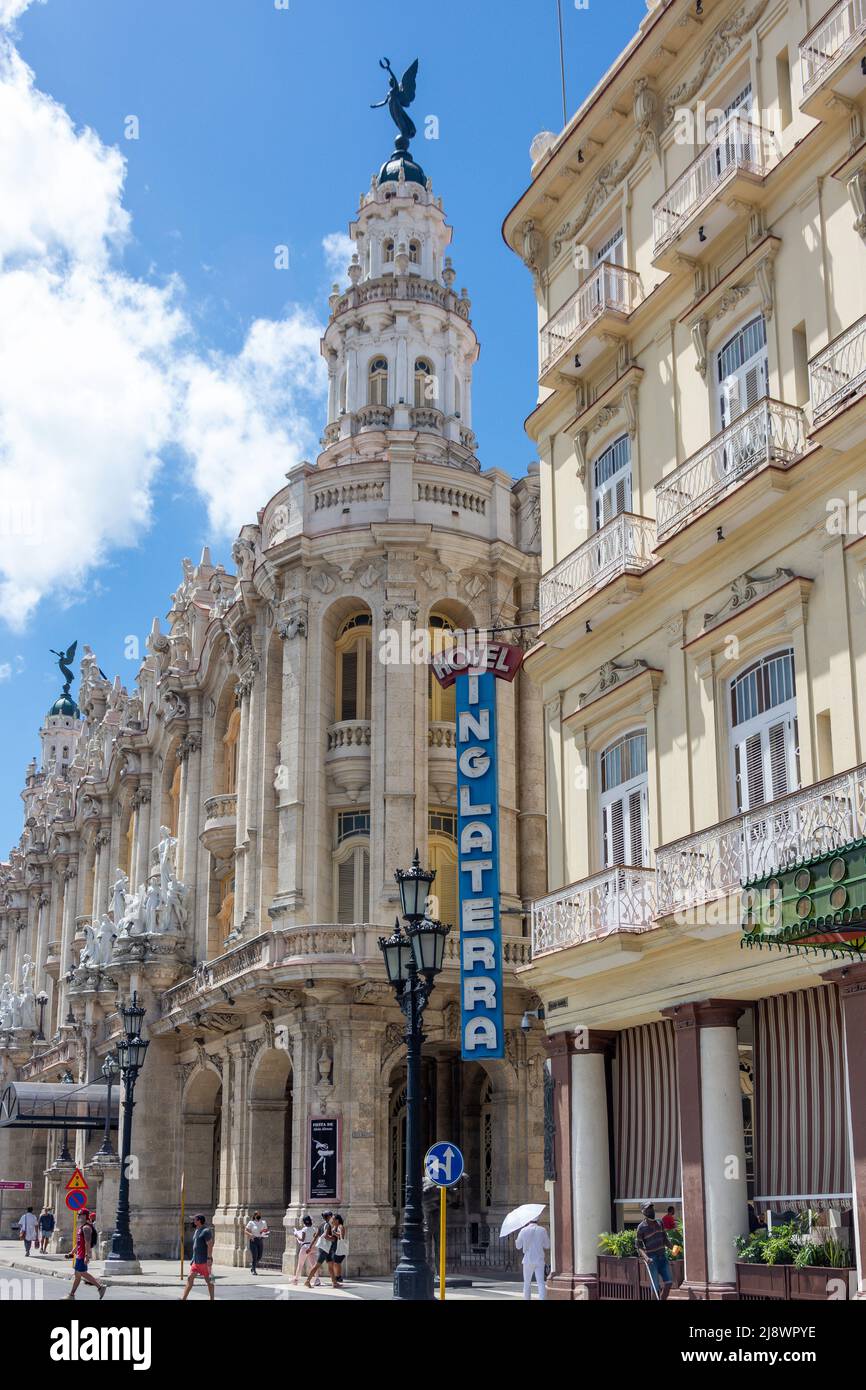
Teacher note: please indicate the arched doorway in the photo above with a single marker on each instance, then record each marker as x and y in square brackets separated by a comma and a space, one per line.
[269, 1183]
[202, 1139]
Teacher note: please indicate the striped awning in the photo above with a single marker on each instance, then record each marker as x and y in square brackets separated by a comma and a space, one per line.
[646, 1122]
[801, 1136]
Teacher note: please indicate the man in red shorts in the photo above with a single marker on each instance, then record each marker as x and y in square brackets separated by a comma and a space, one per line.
[81, 1255]
[202, 1256]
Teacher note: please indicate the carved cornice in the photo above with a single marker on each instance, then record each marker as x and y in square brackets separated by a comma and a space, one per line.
[717, 50]
[745, 590]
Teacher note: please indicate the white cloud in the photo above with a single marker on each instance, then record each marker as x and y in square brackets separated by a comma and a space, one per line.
[5, 671]
[339, 250]
[99, 372]
[10, 10]
[251, 410]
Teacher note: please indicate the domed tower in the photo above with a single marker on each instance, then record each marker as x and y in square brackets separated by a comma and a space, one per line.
[399, 346]
[63, 723]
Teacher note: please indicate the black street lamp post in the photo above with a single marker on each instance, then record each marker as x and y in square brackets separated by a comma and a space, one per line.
[412, 962]
[41, 1000]
[109, 1071]
[131, 1051]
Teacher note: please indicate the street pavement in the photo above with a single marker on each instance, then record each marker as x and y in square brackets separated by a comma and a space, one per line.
[48, 1278]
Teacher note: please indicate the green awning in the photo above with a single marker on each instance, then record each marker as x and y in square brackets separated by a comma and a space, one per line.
[818, 904]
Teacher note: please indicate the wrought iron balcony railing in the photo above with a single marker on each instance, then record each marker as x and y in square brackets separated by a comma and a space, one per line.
[714, 862]
[771, 432]
[838, 373]
[623, 546]
[617, 900]
[739, 146]
[610, 288]
[833, 38]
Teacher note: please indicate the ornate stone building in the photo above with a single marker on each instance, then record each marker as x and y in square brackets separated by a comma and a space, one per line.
[223, 837]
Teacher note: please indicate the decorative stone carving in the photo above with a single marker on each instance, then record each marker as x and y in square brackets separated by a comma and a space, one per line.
[612, 673]
[857, 193]
[745, 590]
[608, 178]
[646, 114]
[189, 744]
[699, 332]
[293, 626]
[730, 299]
[532, 245]
[719, 47]
[174, 706]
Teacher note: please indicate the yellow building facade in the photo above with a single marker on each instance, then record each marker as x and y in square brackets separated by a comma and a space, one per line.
[696, 241]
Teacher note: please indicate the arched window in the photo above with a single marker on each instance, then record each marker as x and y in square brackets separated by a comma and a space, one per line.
[442, 854]
[426, 392]
[414, 252]
[441, 703]
[763, 713]
[377, 392]
[388, 251]
[225, 915]
[352, 881]
[230, 752]
[354, 668]
[611, 481]
[458, 406]
[624, 804]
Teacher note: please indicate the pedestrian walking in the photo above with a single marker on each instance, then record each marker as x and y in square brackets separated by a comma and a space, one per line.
[326, 1246]
[652, 1247]
[534, 1241]
[669, 1220]
[27, 1229]
[46, 1229]
[84, 1243]
[305, 1235]
[341, 1250]
[257, 1230]
[201, 1265]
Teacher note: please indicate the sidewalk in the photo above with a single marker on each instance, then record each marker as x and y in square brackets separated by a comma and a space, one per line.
[154, 1273]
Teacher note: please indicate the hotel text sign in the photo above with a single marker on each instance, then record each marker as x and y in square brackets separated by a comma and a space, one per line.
[482, 1030]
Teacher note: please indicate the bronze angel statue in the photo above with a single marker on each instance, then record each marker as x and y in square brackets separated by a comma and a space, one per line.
[64, 661]
[400, 96]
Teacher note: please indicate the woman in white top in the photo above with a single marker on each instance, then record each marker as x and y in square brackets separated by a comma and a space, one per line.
[256, 1229]
[305, 1235]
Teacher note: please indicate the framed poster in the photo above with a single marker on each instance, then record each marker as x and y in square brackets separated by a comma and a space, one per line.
[323, 1160]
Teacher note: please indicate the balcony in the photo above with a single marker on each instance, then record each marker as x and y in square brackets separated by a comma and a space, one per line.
[713, 863]
[618, 900]
[771, 434]
[623, 547]
[830, 56]
[294, 955]
[426, 417]
[373, 417]
[601, 305]
[837, 375]
[697, 206]
[220, 824]
[347, 759]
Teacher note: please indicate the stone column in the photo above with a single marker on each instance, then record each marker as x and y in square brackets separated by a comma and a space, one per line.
[712, 1145]
[851, 982]
[292, 629]
[229, 1221]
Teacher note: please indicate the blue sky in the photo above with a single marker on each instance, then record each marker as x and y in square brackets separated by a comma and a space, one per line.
[138, 291]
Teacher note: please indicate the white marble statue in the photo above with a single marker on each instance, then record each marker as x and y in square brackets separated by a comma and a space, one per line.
[16, 1010]
[104, 940]
[133, 919]
[167, 847]
[119, 893]
[151, 904]
[6, 1004]
[173, 915]
[89, 951]
[27, 997]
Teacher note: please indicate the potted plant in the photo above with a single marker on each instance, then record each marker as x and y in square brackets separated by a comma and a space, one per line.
[622, 1274]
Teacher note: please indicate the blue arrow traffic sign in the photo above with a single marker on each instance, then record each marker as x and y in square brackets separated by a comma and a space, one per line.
[443, 1164]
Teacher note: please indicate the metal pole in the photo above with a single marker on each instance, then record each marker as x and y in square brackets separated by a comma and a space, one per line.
[413, 1277]
[441, 1242]
[562, 62]
[121, 1241]
[182, 1214]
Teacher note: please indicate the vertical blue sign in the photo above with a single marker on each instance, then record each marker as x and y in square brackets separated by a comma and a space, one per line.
[481, 1031]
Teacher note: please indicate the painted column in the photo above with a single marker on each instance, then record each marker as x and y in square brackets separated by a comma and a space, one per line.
[712, 1145]
[851, 982]
[289, 779]
[590, 1155]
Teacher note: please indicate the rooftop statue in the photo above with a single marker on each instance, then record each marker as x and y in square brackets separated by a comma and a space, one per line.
[64, 661]
[400, 96]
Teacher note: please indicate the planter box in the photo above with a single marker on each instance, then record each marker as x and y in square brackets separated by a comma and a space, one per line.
[819, 1283]
[763, 1281]
[626, 1279]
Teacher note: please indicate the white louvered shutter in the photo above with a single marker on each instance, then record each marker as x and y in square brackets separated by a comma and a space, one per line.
[749, 772]
[349, 685]
[346, 891]
[365, 886]
[614, 834]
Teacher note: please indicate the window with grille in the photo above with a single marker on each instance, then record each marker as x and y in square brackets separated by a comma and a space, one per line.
[742, 371]
[378, 382]
[352, 886]
[443, 823]
[612, 249]
[611, 475]
[354, 668]
[763, 712]
[351, 823]
[624, 801]
[414, 253]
